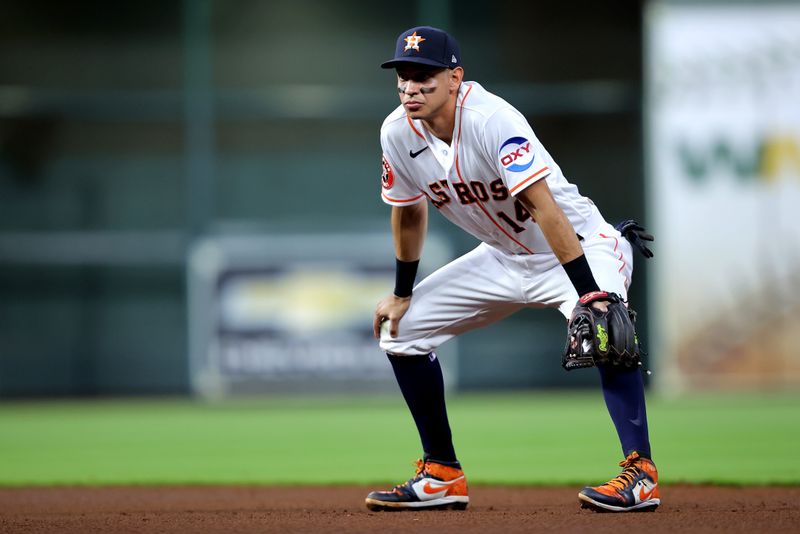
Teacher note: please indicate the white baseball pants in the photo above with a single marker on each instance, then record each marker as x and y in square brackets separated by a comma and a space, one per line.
[486, 285]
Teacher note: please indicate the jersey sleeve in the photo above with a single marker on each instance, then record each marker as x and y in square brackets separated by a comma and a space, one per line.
[396, 188]
[515, 150]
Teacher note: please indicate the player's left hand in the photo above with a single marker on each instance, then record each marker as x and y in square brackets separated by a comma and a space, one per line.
[392, 309]
[601, 332]
[636, 235]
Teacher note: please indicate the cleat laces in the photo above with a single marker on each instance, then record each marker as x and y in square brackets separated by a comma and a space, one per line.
[628, 475]
[419, 466]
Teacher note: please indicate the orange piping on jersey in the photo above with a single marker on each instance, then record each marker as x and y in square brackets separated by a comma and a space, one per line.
[413, 128]
[526, 180]
[458, 171]
[387, 197]
[621, 259]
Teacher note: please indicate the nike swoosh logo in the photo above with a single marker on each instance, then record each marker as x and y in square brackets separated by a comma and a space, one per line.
[644, 495]
[415, 154]
[430, 490]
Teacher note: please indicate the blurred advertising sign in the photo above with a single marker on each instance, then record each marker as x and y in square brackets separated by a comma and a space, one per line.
[290, 313]
[723, 157]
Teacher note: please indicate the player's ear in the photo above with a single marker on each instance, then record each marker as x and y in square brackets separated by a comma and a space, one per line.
[456, 75]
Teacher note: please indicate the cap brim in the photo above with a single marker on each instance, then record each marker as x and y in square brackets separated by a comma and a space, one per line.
[392, 63]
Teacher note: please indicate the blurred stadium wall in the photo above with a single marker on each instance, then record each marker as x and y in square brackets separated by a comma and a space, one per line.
[128, 130]
[723, 152]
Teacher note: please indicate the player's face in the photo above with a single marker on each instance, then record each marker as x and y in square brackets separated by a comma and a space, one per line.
[424, 90]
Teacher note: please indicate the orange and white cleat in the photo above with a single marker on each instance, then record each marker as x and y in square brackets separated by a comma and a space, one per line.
[634, 490]
[433, 487]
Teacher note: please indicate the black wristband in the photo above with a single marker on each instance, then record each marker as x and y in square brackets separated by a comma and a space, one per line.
[404, 276]
[581, 275]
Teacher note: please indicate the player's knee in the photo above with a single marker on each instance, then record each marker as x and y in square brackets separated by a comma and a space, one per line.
[393, 347]
[396, 355]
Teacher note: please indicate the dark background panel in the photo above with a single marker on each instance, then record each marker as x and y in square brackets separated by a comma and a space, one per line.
[128, 129]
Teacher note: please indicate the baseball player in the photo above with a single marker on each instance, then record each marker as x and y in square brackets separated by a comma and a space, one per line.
[475, 158]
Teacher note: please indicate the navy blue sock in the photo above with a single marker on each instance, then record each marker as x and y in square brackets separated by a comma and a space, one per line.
[623, 390]
[421, 382]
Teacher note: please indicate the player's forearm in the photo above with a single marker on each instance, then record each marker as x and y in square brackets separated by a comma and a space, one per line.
[562, 239]
[555, 225]
[560, 236]
[409, 226]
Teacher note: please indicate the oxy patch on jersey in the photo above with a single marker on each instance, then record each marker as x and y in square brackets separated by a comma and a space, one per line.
[387, 176]
[516, 154]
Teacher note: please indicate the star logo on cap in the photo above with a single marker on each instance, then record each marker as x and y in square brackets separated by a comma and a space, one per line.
[413, 41]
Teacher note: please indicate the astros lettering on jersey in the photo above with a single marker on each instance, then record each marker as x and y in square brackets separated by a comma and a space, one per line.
[474, 182]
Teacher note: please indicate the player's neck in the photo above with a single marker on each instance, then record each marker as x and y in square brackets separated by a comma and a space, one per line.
[443, 123]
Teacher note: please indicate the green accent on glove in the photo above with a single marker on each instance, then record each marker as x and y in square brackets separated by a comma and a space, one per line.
[602, 338]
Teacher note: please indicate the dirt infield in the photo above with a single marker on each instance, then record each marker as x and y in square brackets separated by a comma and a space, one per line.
[341, 509]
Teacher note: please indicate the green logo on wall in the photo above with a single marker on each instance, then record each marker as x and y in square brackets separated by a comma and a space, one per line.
[764, 160]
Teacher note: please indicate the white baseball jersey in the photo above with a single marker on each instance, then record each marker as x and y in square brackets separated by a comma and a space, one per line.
[494, 155]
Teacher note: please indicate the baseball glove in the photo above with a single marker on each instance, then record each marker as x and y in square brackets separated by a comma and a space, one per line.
[601, 338]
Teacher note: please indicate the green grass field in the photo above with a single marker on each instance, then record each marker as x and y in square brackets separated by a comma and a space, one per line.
[540, 438]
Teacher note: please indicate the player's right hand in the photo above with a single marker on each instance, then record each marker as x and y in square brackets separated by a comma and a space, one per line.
[636, 235]
[392, 308]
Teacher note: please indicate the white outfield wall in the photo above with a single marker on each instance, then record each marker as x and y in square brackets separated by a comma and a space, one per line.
[723, 192]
